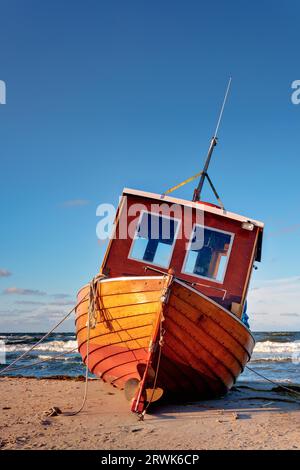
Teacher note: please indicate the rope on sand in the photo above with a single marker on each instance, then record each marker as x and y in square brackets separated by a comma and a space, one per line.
[91, 323]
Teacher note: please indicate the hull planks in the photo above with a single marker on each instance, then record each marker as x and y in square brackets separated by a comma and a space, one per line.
[155, 335]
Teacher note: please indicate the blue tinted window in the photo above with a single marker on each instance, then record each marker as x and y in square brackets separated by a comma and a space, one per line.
[208, 253]
[154, 239]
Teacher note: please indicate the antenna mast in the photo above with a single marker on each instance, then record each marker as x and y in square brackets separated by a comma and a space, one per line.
[213, 143]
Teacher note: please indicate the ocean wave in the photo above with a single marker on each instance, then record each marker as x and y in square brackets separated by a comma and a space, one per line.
[257, 359]
[55, 346]
[277, 347]
[45, 357]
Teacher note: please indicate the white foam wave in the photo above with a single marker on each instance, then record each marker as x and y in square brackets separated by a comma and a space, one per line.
[270, 358]
[56, 346]
[264, 350]
[271, 347]
[46, 357]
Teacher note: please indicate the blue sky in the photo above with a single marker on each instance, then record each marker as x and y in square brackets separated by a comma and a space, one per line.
[102, 95]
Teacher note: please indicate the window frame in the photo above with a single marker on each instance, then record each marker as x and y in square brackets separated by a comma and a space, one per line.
[232, 235]
[157, 214]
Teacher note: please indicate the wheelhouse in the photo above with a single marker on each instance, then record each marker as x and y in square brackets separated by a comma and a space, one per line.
[205, 245]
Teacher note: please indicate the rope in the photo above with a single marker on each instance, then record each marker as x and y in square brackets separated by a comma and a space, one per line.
[43, 338]
[28, 366]
[290, 390]
[91, 323]
[188, 180]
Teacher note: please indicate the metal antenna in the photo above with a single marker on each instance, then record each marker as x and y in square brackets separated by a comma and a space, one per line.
[213, 143]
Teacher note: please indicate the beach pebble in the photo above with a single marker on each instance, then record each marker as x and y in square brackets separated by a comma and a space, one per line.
[2, 443]
[137, 429]
[46, 422]
[21, 439]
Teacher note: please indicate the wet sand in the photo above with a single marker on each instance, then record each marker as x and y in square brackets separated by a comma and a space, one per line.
[244, 419]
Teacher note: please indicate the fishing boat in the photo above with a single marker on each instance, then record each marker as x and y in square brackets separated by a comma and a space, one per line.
[166, 315]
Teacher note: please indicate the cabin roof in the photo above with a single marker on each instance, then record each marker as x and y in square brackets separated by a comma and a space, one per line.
[196, 205]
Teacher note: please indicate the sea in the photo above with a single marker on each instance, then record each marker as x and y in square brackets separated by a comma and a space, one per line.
[276, 356]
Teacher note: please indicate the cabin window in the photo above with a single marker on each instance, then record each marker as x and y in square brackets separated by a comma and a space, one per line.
[154, 239]
[210, 255]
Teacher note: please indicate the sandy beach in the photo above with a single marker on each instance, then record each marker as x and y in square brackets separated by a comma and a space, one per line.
[245, 419]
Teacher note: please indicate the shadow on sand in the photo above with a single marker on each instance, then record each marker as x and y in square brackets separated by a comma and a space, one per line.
[241, 402]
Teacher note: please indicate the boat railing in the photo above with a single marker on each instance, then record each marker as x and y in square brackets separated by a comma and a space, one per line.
[191, 283]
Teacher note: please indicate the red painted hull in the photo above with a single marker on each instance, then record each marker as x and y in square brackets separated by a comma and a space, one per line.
[200, 354]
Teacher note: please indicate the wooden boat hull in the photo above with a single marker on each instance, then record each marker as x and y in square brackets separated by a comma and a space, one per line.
[157, 332]
[127, 311]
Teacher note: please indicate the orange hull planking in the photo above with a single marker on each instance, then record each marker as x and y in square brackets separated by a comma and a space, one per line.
[156, 332]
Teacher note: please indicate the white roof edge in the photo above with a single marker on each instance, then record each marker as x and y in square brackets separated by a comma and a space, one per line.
[196, 205]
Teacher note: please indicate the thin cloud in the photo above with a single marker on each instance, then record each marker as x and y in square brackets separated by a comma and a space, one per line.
[289, 314]
[62, 303]
[10, 313]
[285, 230]
[76, 203]
[41, 313]
[53, 311]
[60, 296]
[272, 282]
[58, 303]
[280, 299]
[29, 302]
[4, 273]
[28, 320]
[19, 291]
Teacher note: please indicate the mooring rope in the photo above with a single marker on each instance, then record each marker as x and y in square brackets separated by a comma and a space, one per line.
[53, 358]
[290, 390]
[42, 339]
[91, 323]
